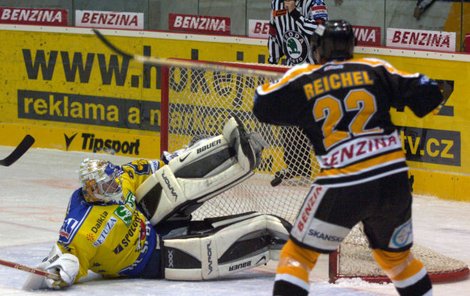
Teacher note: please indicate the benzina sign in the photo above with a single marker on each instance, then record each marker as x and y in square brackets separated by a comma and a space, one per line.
[421, 39]
[365, 35]
[199, 24]
[369, 36]
[109, 19]
[33, 16]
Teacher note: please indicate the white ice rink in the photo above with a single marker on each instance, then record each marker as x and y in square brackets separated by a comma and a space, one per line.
[34, 193]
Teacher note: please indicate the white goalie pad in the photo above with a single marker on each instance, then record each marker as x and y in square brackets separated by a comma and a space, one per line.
[234, 244]
[208, 168]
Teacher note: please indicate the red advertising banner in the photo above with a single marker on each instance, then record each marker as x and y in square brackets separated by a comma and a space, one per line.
[368, 36]
[33, 16]
[109, 19]
[199, 24]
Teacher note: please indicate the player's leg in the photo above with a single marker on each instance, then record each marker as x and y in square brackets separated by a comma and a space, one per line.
[295, 264]
[221, 246]
[392, 237]
[319, 229]
[203, 171]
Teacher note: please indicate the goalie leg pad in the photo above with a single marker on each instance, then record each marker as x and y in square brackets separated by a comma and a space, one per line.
[160, 195]
[203, 171]
[232, 244]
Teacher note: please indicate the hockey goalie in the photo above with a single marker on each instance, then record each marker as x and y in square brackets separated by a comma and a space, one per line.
[134, 220]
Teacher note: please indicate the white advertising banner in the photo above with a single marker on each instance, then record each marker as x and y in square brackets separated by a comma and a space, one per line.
[258, 28]
[188, 23]
[421, 39]
[109, 19]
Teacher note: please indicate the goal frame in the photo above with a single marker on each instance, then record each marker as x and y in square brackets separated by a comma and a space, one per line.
[436, 277]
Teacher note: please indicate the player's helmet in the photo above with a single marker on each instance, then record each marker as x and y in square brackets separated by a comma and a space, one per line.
[100, 181]
[334, 40]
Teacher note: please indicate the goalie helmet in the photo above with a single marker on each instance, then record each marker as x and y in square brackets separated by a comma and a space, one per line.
[333, 40]
[100, 181]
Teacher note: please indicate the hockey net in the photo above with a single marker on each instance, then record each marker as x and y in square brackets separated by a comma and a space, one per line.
[197, 102]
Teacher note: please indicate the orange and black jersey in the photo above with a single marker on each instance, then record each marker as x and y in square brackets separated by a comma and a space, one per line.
[344, 109]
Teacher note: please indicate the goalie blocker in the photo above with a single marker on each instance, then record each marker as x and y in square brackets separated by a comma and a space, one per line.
[221, 246]
[204, 170]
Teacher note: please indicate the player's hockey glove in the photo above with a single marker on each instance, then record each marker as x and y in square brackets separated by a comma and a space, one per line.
[66, 266]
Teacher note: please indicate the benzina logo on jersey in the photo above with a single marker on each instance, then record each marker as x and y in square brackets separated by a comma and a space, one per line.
[432, 146]
[308, 207]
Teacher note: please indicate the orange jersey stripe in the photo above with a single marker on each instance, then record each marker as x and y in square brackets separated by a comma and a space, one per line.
[307, 68]
[363, 165]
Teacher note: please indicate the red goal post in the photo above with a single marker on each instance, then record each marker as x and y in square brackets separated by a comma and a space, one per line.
[198, 97]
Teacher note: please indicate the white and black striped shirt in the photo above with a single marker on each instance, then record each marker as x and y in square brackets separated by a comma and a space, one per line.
[290, 32]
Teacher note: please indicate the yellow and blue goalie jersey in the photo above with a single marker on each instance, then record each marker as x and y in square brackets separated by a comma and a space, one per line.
[114, 239]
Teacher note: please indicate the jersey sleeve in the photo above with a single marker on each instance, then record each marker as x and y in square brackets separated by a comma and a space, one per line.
[316, 13]
[274, 39]
[274, 46]
[84, 257]
[282, 102]
[416, 91]
[137, 171]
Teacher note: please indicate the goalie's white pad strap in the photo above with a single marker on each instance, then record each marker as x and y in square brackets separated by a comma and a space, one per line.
[199, 258]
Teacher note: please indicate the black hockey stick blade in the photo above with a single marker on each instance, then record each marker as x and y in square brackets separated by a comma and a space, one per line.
[112, 46]
[21, 149]
[276, 181]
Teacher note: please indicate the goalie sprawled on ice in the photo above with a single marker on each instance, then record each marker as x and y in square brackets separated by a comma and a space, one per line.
[134, 220]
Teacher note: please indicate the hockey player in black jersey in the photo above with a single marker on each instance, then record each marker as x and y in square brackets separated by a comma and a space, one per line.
[291, 26]
[345, 103]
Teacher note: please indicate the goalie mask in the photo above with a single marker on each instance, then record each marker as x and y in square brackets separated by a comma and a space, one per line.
[100, 181]
[333, 40]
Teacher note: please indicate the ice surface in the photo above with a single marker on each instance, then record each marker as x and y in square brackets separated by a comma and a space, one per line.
[33, 197]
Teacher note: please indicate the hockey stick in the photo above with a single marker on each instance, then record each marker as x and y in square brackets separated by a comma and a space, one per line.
[21, 149]
[36, 271]
[185, 63]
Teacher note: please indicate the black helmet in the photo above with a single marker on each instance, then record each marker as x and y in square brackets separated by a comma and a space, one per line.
[333, 40]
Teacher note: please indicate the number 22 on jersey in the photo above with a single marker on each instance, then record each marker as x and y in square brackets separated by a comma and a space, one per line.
[331, 110]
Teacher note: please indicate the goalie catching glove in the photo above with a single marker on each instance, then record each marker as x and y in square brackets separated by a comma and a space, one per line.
[204, 170]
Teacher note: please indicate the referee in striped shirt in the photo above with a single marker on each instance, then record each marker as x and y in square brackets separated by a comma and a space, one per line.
[291, 26]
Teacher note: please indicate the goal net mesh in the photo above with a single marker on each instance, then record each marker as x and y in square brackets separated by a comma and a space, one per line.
[201, 100]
